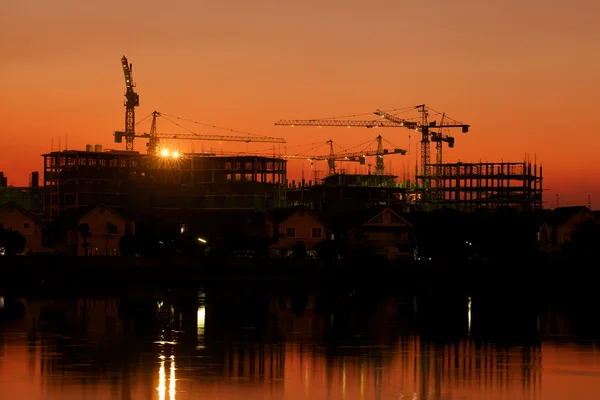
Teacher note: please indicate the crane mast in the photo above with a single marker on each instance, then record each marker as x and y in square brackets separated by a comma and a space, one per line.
[331, 158]
[379, 167]
[132, 101]
[424, 142]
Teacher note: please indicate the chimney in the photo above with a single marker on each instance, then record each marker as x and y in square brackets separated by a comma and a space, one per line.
[35, 179]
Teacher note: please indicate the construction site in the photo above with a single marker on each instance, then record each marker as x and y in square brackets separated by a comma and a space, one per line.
[170, 181]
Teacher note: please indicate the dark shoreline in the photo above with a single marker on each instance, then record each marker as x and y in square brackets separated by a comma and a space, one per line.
[28, 272]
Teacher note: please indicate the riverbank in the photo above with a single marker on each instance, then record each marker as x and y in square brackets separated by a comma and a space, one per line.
[57, 271]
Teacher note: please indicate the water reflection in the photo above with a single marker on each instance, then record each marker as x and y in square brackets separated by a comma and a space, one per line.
[200, 318]
[234, 343]
[162, 381]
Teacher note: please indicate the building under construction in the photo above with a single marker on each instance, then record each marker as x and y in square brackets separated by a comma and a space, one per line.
[461, 186]
[464, 186]
[341, 192]
[146, 183]
[470, 186]
[165, 180]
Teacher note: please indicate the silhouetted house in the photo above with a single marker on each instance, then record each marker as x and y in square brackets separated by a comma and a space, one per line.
[381, 229]
[288, 226]
[388, 233]
[94, 231]
[17, 218]
[560, 224]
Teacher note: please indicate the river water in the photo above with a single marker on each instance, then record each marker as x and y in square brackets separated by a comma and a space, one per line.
[294, 343]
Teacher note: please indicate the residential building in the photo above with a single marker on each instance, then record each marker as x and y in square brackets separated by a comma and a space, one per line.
[288, 226]
[17, 218]
[95, 231]
[386, 232]
[560, 224]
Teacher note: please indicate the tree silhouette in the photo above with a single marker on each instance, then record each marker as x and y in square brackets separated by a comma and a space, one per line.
[12, 241]
[331, 249]
[299, 250]
[128, 245]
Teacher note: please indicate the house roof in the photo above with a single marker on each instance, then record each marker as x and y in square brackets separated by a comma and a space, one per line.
[74, 215]
[560, 215]
[111, 209]
[23, 210]
[279, 215]
[349, 220]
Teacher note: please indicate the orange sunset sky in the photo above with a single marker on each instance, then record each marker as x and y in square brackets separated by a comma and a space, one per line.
[523, 74]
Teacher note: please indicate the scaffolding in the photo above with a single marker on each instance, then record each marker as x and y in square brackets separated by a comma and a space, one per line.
[469, 186]
[78, 179]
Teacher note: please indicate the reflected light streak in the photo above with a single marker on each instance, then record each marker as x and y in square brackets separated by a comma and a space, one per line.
[161, 379]
[344, 378]
[362, 382]
[469, 316]
[172, 379]
[306, 378]
[200, 327]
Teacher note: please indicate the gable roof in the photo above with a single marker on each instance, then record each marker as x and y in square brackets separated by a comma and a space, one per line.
[72, 216]
[560, 215]
[278, 215]
[377, 213]
[347, 221]
[85, 212]
[23, 210]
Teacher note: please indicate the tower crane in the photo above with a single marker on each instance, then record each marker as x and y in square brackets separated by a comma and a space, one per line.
[132, 101]
[427, 136]
[360, 156]
[332, 157]
[154, 137]
[379, 167]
